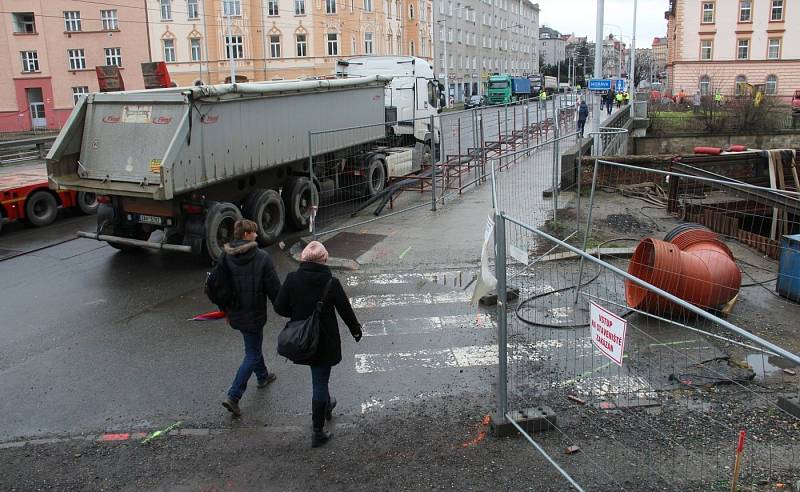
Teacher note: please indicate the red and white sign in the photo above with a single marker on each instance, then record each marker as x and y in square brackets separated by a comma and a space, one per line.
[608, 332]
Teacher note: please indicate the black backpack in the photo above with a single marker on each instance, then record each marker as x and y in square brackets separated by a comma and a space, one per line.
[219, 286]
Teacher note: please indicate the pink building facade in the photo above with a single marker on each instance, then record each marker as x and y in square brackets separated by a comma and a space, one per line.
[50, 49]
[723, 45]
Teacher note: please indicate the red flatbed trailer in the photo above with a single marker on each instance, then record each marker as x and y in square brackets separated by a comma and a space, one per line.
[25, 195]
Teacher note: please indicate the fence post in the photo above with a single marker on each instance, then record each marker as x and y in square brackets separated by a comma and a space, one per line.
[434, 159]
[588, 226]
[502, 333]
[312, 224]
[556, 152]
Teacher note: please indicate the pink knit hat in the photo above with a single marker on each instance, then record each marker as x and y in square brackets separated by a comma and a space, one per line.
[315, 252]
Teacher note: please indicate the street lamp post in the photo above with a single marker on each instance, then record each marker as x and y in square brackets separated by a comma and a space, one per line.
[598, 72]
[445, 67]
[632, 75]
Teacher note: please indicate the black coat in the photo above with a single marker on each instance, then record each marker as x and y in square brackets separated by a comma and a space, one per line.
[254, 279]
[583, 112]
[297, 299]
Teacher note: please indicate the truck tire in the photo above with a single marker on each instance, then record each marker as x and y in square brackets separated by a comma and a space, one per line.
[87, 202]
[41, 208]
[299, 195]
[374, 177]
[220, 218]
[265, 208]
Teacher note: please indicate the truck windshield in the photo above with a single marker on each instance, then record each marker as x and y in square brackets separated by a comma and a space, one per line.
[498, 85]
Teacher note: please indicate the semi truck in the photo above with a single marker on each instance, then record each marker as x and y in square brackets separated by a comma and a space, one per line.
[173, 169]
[542, 82]
[504, 89]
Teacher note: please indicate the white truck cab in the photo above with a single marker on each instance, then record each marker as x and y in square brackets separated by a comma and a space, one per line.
[412, 97]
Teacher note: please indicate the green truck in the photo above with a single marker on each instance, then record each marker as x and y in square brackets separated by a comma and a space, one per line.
[504, 89]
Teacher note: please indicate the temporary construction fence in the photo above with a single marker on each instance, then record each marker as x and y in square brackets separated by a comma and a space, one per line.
[353, 184]
[637, 396]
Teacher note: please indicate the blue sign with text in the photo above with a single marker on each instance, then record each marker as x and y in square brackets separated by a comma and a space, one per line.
[599, 84]
[620, 85]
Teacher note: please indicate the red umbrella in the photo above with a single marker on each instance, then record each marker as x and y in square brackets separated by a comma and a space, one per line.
[212, 315]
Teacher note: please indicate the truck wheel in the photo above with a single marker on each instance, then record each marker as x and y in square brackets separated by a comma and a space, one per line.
[87, 202]
[41, 208]
[299, 196]
[374, 177]
[265, 208]
[220, 219]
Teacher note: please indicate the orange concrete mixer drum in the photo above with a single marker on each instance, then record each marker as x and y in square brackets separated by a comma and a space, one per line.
[691, 263]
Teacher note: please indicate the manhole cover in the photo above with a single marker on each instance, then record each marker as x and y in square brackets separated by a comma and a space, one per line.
[351, 245]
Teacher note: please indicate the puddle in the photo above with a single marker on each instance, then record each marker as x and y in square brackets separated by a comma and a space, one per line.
[766, 365]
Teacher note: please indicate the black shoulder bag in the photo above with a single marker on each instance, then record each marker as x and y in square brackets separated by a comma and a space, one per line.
[298, 341]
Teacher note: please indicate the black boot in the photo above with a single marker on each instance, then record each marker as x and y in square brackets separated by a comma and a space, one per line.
[329, 408]
[319, 437]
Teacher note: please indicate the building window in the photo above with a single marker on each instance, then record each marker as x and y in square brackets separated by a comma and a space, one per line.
[30, 61]
[740, 88]
[110, 20]
[232, 7]
[24, 22]
[72, 21]
[274, 46]
[706, 49]
[299, 7]
[776, 12]
[743, 49]
[272, 8]
[368, 5]
[166, 10]
[368, 43]
[745, 10]
[192, 10]
[708, 12]
[411, 11]
[333, 43]
[774, 48]
[113, 56]
[234, 47]
[771, 88]
[330, 6]
[301, 45]
[195, 50]
[78, 92]
[169, 50]
[77, 59]
[411, 49]
[705, 85]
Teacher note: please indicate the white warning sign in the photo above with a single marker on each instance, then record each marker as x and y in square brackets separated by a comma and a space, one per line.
[608, 332]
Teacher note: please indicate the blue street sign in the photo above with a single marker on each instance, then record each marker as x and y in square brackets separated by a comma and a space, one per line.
[599, 84]
[620, 85]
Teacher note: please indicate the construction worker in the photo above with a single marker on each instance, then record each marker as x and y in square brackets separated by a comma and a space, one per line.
[543, 98]
[718, 98]
[619, 97]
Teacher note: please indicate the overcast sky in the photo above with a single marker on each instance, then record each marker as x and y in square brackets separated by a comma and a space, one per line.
[578, 16]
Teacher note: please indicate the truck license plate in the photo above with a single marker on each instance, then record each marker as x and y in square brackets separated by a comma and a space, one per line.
[149, 219]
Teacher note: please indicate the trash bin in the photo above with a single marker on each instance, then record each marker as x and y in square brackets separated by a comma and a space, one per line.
[789, 268]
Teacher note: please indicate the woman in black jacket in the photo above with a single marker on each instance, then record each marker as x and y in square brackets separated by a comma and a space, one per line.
[297, 299]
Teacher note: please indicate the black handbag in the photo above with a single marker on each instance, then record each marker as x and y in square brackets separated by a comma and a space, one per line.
[299, 339]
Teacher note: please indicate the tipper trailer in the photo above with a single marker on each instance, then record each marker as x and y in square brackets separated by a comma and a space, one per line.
[173, 169]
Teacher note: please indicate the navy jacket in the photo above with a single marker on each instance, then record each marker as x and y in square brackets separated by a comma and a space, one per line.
[297, 299]
[255, 279]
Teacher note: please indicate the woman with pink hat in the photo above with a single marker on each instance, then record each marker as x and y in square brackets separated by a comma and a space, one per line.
[297, 299]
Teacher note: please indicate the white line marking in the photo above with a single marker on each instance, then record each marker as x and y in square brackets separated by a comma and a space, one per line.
[386, 300]
[454, 278]
[409, 326]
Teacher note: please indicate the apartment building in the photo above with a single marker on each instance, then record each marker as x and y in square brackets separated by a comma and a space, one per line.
[475, 38]
[50, 49]
[552, 46]
[725, 44]
[659, 47]
[281, 39]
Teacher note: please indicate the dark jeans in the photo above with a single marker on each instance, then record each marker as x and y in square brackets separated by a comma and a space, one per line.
[320, 375]
[581, 125]
[253, 363]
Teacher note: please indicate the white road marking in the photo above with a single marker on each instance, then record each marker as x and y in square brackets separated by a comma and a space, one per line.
[385, 300]
[454, 278]
[409, 326]
[378, 403]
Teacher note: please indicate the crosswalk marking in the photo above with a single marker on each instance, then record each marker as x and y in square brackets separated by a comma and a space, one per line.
[451, 278]
[408, 326]
[385, 300]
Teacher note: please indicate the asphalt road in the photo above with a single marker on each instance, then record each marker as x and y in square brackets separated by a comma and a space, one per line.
[94, 340]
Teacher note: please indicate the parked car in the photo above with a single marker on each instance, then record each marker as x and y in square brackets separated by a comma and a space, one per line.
[796, 102]
[473, 102]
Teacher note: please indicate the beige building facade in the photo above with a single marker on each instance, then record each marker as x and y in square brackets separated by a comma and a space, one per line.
[50, 49]
[724, 44]
[281, 39]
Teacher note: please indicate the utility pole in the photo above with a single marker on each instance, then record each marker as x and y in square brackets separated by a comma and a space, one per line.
[632, 76]
[446, 66]
[230, 44]
[598, 71]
